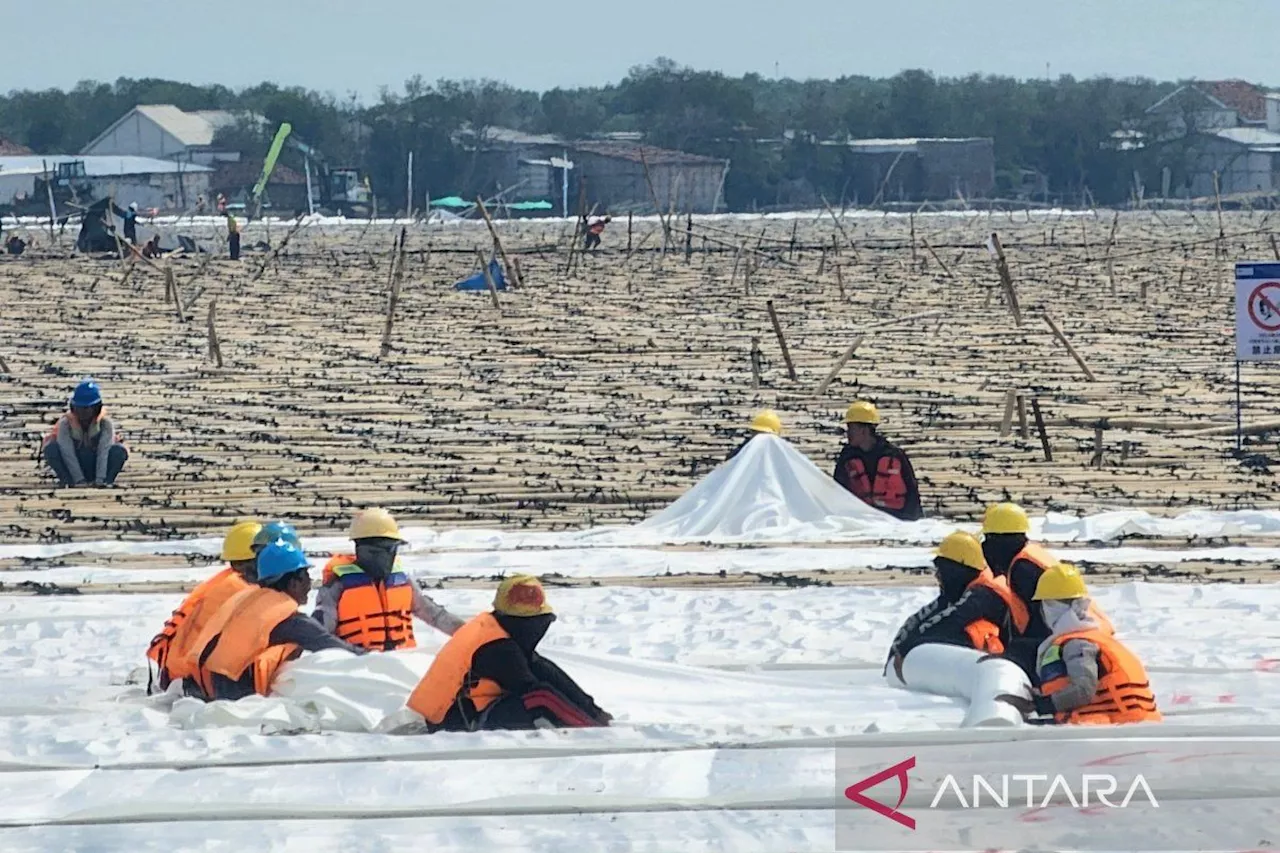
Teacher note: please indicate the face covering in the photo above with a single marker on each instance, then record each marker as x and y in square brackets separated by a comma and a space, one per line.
[377, 558]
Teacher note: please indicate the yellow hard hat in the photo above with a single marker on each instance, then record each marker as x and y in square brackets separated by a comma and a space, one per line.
[238, 543]
[963, 548]
[1060, 583]
[1005, 518]
[521, 595]
[375, 523]
[766, 420]
[862, 412]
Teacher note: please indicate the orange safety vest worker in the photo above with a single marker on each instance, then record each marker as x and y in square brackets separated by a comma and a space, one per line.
[887, 491]
[238, 637]
[449, 679]
[172, 647]
[372, 614]
[984, 633]
[1124, 692]
[1033, 553]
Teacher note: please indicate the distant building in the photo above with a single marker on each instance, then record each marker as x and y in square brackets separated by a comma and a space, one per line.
[533, 168]
[151, 183]
[164, 132]
[286, 190]
[926, 169]
[9, 148]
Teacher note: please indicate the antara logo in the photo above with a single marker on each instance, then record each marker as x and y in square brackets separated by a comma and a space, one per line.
[1094, 789]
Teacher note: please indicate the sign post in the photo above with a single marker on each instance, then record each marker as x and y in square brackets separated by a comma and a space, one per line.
[1257, 322]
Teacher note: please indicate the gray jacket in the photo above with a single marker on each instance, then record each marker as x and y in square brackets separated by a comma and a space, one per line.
[424, 608]
[105, 438]
[1080, 657]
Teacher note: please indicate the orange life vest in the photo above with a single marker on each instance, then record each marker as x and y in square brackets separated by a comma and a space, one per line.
[449, 679]
[239, 635]
[171, 648]
[986, 634]
[375, 615]
[888, 490]
[1041, 557]
[1124, 692]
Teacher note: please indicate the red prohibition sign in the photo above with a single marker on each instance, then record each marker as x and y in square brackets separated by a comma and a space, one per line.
[1265, 302]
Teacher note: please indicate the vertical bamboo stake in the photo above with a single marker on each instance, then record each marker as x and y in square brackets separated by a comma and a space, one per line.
[1096, 461]
[393, 299]
[839, 365]
[1006, 422]
[4, 365]
[1002, 267]
[168, 283]
[488, 280]
[688, 239]
[1044, 436]
[840, 283]
[913, 239]
[782, 341]
[628, 233]
[215, 348]
[737, 259]
[1066, 344]
[755, 363]
[512, 276]
[1217, 200]
[1022, 417]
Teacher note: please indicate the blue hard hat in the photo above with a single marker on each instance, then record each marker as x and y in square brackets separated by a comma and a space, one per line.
[87, 394]
[279, 559]
[273, 530]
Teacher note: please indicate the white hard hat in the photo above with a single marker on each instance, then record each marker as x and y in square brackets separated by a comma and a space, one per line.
[133, 205]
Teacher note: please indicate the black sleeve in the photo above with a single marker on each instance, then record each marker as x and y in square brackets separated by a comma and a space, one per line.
[309, 634]
[948, 626]
[839, 474]
[504, 662]
[553, 676]
[1023, 577]
[912, 509]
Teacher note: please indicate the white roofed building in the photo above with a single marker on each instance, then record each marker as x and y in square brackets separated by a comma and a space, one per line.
[164, 132]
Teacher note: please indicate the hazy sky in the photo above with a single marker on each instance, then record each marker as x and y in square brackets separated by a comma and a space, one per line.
[345, 45]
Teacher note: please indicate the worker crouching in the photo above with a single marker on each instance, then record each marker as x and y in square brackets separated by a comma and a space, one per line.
[489, 676]
[1086, 675]
[259, 628]
[366, 599]
[83, 447]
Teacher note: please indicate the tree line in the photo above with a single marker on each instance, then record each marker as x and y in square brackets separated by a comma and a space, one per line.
[1059, 130]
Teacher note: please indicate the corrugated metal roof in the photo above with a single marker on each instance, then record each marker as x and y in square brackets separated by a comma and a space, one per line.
[103, 165]
[191, 129]
[652, 156]
[1251, 136]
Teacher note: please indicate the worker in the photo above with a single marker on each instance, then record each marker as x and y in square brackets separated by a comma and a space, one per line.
[201, 205]
[131, 223]
[171, 648]
[595, 228]
[243, 644]
[273, 531]
[1021, 562]
[766, 422]
[876, 471]
[83, 447]
[367, 599]
[233, 236]
[15, 245]
[974, 608]
[151, 248]
[1085, 674]
[489, 676]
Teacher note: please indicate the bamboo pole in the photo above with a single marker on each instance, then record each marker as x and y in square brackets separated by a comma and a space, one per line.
[1006, 278]
[488, 280]
[397, 277]
[512, 275]
[215, 348]
[839, 365]
[782, 341]
[1044, 436]
[940, 261]
[1006, 421]
[1066, 344]
[756, 358]
[1022, 417]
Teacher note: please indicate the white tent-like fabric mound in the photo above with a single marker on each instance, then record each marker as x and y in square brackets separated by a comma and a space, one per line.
[768, 490]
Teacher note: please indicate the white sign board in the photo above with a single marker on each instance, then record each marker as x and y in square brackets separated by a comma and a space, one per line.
[1258, 312]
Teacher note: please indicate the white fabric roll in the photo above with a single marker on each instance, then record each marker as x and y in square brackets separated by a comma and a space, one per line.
[966, 674]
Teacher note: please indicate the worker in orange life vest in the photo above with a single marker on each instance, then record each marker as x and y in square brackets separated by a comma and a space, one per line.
[1086, 675]
[242, 646]
[876, 471]
[1011, 555]
[83, 447]
[766, 422]
[367, 599]
[985, 621]
[489, 676]
[171, 648]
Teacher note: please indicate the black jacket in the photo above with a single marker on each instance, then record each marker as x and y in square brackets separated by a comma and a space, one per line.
[942, 622]
[911, 510]
[302, 630]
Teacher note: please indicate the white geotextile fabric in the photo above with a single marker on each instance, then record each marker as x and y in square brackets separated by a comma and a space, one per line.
[972, 676]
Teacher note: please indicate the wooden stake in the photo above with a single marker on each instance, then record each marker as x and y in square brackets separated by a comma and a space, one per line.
[177, 295]
[215, 348]
[940, 261]
[913, 239]
[688, 239]
[488, 280]
[1096, 461]
[839, 365]
[737, 259]
[840, 226]
[512, 276]
[755, 362]
[393, 299]
[1217, 200]
[4, 365]
[1044, 436]
[1006, 422]
[1062, 339]
[168, 284]
[840, 283]
[1006, 279]
[628, 233]
[1022, 417]
[782, 341]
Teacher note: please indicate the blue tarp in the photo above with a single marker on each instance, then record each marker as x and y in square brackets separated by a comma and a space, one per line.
[476, 282]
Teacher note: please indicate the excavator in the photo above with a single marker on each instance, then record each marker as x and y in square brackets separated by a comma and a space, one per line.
[340, 189]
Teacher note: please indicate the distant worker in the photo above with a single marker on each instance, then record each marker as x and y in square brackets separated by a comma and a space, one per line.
[233, 236]
[202, 206]
[243, 645]
[595, 228]
[222, 204]
[367, 599]
[151, 248]
[83, 447]
[15, 245]
[489, 676]
[876, 471]
[171, 648]
[974, 608]
[1011, 555]
[766, 422]
[273, 531]
[1085, 674]
[131, 223]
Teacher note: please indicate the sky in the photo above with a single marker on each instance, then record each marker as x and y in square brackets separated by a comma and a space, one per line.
[344, 46]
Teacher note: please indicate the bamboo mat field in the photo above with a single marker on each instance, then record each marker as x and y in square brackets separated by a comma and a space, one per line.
[600, 394]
